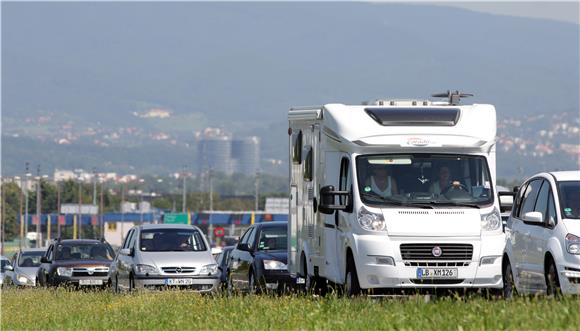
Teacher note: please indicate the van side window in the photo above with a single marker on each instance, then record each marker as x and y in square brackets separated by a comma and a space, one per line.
[542, 200]
[529, 197]
[344, 180]
[308, 164]
[297, 147]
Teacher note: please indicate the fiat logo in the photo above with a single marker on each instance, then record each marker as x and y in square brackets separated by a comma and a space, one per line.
[437, 251]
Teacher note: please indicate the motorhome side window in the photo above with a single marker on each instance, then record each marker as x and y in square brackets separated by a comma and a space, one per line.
[344, 181]
[308, 164]
[297, 147]
[435, 179]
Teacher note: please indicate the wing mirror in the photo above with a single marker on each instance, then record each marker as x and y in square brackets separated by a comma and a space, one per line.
[8, 267]
[506, 201]
[44, 260]
[327, 199]
[534, 217]
[244, 247]
[126, 251]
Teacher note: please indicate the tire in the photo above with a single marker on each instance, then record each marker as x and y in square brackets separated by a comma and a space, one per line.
[230, 286]
[131, 283]
[115, 286]
[552, 280]
[254, 284]
[351, 284]
[509, 286]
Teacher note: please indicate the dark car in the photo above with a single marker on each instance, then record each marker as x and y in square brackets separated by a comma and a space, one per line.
[222, 261]
[77, 263]
[259, 261]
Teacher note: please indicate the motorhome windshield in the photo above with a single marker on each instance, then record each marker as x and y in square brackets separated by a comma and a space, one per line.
[424, 180]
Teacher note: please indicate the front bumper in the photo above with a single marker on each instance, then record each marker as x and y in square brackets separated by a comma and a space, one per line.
[278, 280]
[470, 274]
[95, 281]
[200, 284]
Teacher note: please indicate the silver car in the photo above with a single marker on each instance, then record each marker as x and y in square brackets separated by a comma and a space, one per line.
[25, 264]
[164, 255]
[5, 266]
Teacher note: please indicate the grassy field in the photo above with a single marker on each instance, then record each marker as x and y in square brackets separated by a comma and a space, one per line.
[35, 309]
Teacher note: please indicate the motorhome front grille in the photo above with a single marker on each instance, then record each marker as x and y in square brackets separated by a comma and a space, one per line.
[437, 264]
[433, 252]
[437, 281]
[454, 212]
[178, 270]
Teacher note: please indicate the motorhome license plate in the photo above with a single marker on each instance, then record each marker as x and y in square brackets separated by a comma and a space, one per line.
[90, 282]
[179, 281]
[423, 273]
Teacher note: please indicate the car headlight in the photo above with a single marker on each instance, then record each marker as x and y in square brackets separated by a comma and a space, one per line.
[274, 265]
[145, 269]
[23, 279]
[573, 244]
[209, 269]
[64, 271]
[371, 221]
[491, 221]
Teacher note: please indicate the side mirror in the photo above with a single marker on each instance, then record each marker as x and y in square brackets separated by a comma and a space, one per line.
[506, 201]
[534, 217]
[126, 251]
[327, 198]
[8, 267]
[44, 260]
[244, 247]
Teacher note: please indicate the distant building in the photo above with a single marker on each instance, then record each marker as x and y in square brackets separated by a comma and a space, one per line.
[216, 150]
[64, 175]
[246, 153]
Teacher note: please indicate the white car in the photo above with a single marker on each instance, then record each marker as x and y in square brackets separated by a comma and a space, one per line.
[542, 253]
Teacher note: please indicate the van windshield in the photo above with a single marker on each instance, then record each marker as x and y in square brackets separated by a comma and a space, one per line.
[424, 179]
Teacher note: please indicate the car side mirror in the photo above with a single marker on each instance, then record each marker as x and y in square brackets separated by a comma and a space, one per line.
[327, 197]
[44, 260]
[126, 251]
[9, 268]
[244, 247]
[506, 201]
[534, 217]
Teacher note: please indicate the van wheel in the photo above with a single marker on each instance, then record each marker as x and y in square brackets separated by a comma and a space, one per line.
[509, 287]
[351, 284]
[552, 280]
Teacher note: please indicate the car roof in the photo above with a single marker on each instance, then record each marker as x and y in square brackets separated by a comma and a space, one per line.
[26, 250]
[562, 176]
[273, 224]
[79, 241]
[166, 226]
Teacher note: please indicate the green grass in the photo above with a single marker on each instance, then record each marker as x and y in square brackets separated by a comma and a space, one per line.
[34, 309]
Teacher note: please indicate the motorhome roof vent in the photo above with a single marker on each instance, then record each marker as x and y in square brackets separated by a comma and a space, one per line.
[415, 116]
[454, 97]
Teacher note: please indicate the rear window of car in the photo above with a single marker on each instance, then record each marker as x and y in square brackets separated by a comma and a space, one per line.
[171, 240]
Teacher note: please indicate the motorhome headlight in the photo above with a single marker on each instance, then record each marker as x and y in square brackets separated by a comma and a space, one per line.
[573, 244]
[65, 272]
[491, 221]
[210, 269]
[371, 221]
[144, 269]
[274, 265]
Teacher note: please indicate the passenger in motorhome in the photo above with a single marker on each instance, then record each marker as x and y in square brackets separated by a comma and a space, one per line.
[380, 182]
[444, 180]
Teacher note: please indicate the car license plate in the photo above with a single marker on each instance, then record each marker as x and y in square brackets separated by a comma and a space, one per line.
[178, 281]
[423, 273]
[90, 282]
[300, 280]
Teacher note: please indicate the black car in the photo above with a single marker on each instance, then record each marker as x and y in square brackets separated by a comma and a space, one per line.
[259, 261]
[77, 263]
[222, 261]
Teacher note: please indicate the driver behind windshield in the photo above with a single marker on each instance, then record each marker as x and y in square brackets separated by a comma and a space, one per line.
[379, 182]
[443, 182]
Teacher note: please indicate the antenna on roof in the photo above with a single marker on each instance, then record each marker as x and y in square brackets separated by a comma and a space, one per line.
[453, 96]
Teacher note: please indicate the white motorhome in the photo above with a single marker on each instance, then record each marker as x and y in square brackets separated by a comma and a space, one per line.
[394, 194]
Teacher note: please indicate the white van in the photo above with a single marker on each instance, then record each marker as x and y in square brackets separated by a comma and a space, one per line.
[395, 194]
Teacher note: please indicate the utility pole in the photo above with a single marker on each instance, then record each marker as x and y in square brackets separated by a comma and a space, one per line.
[27, 176]
[80, 215]
[2, 219]
[122, 208]
[210, 230]
[20, 212]
[38, 206]
[183, 202]
[94, 186]
[141, 181]
[101, 211]
[58, 208]
[257, 183]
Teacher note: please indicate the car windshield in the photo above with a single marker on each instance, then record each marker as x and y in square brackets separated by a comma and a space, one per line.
[273, 239]
[30, 259]
[570, 199]
[171, 240]
[424, 180]
[84, 251]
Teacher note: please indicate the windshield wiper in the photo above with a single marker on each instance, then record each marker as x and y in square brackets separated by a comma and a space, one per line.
[455, 204]
[396, 202]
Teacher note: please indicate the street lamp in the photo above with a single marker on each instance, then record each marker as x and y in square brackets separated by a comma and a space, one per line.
[141, 181]
[27, 176]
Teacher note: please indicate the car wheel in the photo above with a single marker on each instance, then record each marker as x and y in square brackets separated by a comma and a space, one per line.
[115, 286]
[509, 286]
[131, 283]
[254, 285]
[230, 286]
[552, 280]
[351, 284]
